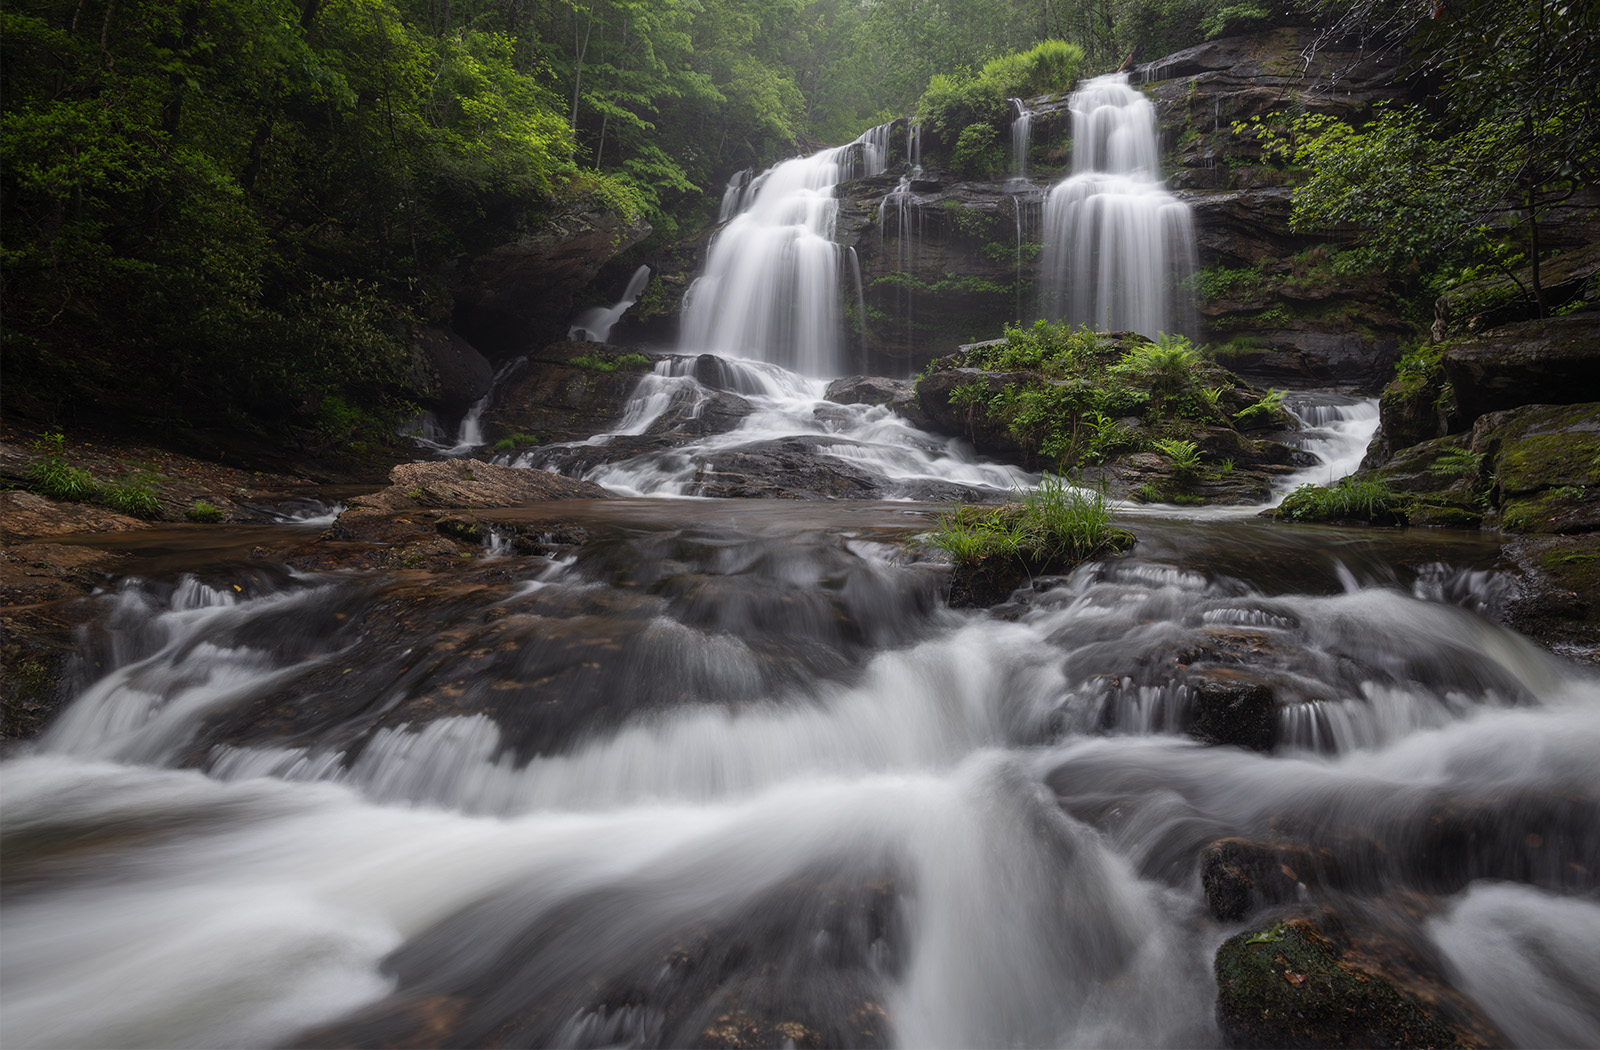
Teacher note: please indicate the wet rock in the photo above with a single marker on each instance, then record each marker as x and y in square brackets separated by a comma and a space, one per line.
[519, 295]
[801, 965]
[1558, 602]
[1241, 876]
[24, 515]
[466, 483]
[453, 374]
[899, 395]
[1233, 705]
[1479, 306]
[1289, 985]
[1554, 361]
[554, 400]
[1546, 464]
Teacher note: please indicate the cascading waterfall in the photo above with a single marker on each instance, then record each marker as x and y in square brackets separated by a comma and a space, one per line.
[1021, 139]
[596, 323]
[721, 764]
[771, 286]
[1117, 245]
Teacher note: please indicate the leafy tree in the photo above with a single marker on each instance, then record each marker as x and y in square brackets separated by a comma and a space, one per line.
[1513, 129]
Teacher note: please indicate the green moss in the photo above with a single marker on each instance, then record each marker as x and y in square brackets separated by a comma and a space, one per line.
[1549, 459]
[598, 363]
[204, 513]
[1287, 986]
[1548, 510]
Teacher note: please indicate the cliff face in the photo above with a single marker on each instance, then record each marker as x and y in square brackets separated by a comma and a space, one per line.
[944, 260]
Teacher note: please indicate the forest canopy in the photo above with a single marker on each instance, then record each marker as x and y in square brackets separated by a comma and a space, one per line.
[232, 211]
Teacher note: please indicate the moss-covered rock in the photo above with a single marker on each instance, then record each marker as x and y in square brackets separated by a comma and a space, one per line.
[1286, 985]
[1546, 465]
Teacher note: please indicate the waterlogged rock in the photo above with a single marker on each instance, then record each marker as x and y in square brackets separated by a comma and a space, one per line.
[802, 965]
[898, 395]
[1554, 361]
[519, 295]
[1288, 985]
[555, 400]
[1546, 464]
[1559, 599]
[453, 375]
[1240, 876]
[1233, 705]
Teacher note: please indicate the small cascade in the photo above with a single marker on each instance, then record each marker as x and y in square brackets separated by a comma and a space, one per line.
[771, 286]
[596, 323]
[906, 209]
[733, 195]
[1021, 139]
[1337, 429]
[1117, 244]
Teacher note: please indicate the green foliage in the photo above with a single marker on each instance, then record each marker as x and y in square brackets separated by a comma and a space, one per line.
[598, 363]
[1185, 455]
[1458, 462]
[1053, 524]
[1213, 283]
[1517, 130]
[51, 475]
[1055, 350]
[203, 512]
[131, 494]
[514, 442]
[1351, 499]
[1266, 411]
[966, 115]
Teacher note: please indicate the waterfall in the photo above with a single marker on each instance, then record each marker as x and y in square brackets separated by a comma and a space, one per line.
[1021, 134]
[1117, 244]
[596, 322]
[771, 286]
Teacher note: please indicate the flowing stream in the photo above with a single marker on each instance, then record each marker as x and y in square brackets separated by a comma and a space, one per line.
[735, 763]
[730, 772]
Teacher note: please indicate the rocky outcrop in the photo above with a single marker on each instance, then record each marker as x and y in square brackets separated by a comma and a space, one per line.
[451, 374]
[550, 397]
[1291, 984]
[1554, 361]
[519, 295]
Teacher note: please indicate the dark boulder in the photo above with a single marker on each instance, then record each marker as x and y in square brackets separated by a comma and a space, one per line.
[1291, 984]
[553, 399]
[1233, 705]
[453, 374]
[1554, 361]
[520, 294]
[1546, 464]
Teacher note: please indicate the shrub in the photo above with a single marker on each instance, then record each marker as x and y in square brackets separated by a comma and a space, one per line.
[1053, 524]
[1351, 499]
[51, 475]
[1263, 413]
[204, 513]
[596, 363]
[131, 494]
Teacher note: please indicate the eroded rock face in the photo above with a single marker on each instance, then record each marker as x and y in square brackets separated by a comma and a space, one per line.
[519, 295]
[453, 374]
[1554, 361]
[550, 398]
[1546, 466]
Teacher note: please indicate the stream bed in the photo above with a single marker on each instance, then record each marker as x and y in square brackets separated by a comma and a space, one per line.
[734, 775]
